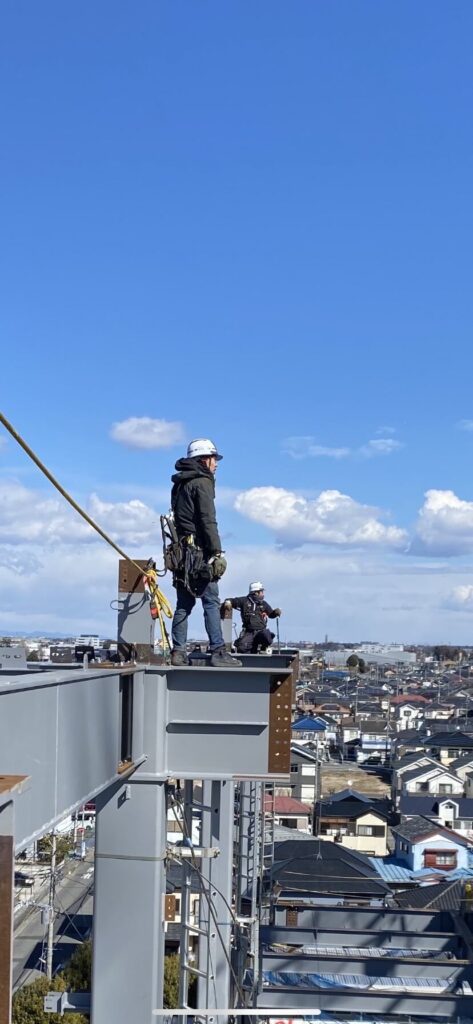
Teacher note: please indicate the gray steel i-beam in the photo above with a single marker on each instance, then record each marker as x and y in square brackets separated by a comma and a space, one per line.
[215, 915]
[130, 886]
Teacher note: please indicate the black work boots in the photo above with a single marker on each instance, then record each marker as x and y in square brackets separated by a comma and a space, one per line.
[219, 659]
[222, 659]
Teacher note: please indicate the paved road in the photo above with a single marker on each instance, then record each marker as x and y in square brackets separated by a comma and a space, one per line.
[74, 905]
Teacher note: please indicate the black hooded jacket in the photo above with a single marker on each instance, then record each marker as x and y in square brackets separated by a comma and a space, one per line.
[253, 611]
[193, 504]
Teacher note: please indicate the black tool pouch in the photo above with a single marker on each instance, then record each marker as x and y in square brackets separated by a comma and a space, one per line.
[173, 548]
[197, 574]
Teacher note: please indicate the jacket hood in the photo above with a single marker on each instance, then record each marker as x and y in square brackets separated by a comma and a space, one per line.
[189, 469]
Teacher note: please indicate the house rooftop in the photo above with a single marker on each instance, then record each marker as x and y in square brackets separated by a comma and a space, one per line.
[324, 868]
[308, 723]
[451, 740]
[419, 827]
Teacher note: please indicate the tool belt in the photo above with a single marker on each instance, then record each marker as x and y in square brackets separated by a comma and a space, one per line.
[173, 548]
[195, 573]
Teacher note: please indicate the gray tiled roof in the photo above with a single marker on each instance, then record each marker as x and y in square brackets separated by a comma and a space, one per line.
[444, 896]
[413, 828]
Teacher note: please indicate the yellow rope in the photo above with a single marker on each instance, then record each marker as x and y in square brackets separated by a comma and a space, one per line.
[157, 598]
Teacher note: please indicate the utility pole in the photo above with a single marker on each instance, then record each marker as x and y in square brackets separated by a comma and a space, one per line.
[52, 892]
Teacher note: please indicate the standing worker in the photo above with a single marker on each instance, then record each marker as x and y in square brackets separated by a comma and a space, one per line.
[255, 611]
[202, 563]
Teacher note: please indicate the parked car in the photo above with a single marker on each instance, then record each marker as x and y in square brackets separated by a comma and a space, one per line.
[24, 880]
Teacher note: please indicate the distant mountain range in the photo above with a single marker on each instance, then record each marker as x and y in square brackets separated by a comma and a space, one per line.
[36, 635]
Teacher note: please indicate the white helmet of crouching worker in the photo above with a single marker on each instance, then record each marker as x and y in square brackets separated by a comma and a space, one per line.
[254, 587]
[202, 448]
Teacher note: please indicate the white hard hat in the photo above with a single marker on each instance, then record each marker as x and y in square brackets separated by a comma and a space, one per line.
[255, 586]
[202, 447]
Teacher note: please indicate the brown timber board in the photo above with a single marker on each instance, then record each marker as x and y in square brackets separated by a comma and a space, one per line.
[130, 581]
[9, 782]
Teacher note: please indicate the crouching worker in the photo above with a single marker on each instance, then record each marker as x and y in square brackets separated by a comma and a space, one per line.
[255, 612]
[200, 563]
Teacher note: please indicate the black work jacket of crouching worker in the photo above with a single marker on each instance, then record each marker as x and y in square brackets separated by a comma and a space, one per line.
[193, 504]
[253, 612]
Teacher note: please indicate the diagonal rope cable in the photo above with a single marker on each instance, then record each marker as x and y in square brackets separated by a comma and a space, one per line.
[161, 602]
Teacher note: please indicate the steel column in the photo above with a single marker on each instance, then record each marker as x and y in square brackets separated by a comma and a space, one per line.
[130, 885]
[215, 911]
[6, 909]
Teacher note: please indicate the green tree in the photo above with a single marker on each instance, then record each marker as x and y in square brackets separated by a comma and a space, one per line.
[171, 981]
[27, 1006]
[32, 656]
[64, 846]
[352, 661]
[77, 973]
[361, 666]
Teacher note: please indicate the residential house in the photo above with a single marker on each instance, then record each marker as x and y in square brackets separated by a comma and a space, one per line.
[439, 710]
[332, 707]
[322, 871]
[375, 740]
[454, 812]
[408, 715]
[407, 764]
[421, 843]
[448, 746]
[304, 764]
[349, 735]
[289, 812]
[356, 822]
[308, 729]
[462, 766]
[433, 780]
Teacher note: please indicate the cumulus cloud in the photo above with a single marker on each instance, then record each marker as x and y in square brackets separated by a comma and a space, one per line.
[308, 448]
[331, 518]
[461, 597]
[465, 425]
[144, 432]
[28, 516]
[56, 574]
[132, 522]
[444, 525]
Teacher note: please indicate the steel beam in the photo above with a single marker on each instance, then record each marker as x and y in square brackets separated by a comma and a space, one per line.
[448, 1007]
[130, 886]
[215, 916]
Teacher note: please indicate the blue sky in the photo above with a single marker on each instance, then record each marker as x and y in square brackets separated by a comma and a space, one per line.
[253, 221]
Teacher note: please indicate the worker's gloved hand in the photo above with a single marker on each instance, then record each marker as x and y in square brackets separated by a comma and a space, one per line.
[227, 603]
[218, 565]
[277, 612]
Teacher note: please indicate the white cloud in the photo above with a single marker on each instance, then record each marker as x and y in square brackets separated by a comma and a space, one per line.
[386, 430]
[144, 432]
[331, 518]
[308, 448]
[380, 446]
[465, 425]
[131, 522]
[444, 525]
[349, 595]
[461, 597]
[28, 516]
